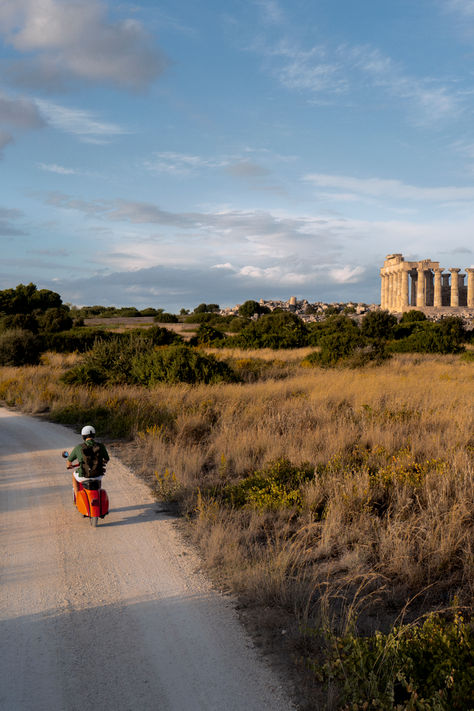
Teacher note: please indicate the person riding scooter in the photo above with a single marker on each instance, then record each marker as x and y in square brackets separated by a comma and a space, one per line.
[91, 457]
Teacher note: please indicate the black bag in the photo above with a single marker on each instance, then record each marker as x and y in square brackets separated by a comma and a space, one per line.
[92, 460]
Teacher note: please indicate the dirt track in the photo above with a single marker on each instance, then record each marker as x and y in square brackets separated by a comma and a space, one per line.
[115, 618]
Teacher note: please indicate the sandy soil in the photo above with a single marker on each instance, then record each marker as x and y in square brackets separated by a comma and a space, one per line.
[116, 618]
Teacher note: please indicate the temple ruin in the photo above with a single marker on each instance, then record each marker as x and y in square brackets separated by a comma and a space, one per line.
[425, 286]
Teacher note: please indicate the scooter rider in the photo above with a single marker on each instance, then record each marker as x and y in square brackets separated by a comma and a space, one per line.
[88, 433]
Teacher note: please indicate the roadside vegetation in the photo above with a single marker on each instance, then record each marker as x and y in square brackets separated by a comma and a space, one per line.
[329, 484]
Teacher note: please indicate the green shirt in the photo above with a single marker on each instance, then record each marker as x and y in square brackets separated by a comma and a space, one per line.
[77, 453]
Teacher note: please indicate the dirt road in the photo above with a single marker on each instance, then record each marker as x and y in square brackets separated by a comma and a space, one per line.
[115, 618]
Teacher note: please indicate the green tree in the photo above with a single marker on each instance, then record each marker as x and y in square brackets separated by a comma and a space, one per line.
[378, 325]
[250, 308]
[19, 347]
[273, 330]
[206, 308]
[412, 316]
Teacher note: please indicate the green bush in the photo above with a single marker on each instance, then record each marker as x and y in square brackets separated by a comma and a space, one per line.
[207, 336]
[76, 340]
[166, 318]
[413, 316]
[155, 336]
[19, 347]
[338, 337]
[446, 336]
[278, 486]
[378, 325]
[275, 330]
[109, 361]
[53, 320]
[178, 364]
[426, 667]
[22, 322]
[206, 308]
[26, 299]
[250, 308]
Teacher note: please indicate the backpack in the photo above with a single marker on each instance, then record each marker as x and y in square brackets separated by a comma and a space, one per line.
[92, 460]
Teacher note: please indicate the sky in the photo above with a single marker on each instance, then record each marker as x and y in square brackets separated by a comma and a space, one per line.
[172, 153]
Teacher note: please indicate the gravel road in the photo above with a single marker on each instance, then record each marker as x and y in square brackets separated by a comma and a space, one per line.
[116, 618]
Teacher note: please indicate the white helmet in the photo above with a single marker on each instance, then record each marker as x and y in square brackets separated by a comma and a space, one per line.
[87, 431]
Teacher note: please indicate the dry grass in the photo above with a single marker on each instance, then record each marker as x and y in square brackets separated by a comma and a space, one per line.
[393, 503]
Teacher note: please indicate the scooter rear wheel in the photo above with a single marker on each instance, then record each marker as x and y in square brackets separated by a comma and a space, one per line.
[94, 521]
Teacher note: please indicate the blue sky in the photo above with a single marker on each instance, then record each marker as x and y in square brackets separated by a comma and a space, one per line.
[164, 154]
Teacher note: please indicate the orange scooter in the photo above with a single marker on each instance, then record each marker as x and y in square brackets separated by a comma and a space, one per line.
[91, 499]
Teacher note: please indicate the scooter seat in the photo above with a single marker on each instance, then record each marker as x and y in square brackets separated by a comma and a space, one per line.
[92, 484]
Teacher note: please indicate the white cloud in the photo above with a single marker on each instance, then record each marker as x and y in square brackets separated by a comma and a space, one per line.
[272, 12]
[390, 189]
[181, 163]
[79, 122]
[76, 40]
[347, 274]
[226, 265]
[464, 7]
[54, 168]
[324, 72]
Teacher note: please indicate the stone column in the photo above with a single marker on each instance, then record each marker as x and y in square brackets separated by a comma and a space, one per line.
[429, 296]
[404, 290]
[470, 288]
[396, 291]
[420, 288]
[389, 291]
[413, 274]
[454, 287]
[437, 303]
[384, 292]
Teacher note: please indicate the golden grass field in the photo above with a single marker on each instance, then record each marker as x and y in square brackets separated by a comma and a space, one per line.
[384, 529]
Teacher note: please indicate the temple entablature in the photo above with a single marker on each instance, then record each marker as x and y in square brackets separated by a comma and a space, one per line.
[424, 285]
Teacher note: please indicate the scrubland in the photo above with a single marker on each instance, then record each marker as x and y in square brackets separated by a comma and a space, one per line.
[341, 500]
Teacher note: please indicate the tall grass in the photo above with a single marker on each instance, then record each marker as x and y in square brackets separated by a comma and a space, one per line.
[389, 509]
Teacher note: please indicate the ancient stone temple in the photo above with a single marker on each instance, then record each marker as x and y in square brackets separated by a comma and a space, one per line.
[424, 285]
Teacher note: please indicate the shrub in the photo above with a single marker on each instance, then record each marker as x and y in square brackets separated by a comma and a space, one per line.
[54, 320]
[275, 330]
[412, 316]
[205, 308]
[109, 361]
[77, 339]
[22, 322]
[25, 299]
[207, 336]
[277, 486]
[155, 336]
[378, 324]
[166, 318]
[250, 308]
[338, 337]
[178, 364]
[446, 336]
[19, 347]
[426, 667]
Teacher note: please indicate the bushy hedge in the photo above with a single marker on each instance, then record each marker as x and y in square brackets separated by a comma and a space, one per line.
[274, 330]
[137, 362]
[207, 336]
[445, 336]
[19, 347]
[179, 364]
[77, 339]
[427, 667]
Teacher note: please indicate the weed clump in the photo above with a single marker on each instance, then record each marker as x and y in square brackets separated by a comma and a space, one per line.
[422, 667]
[277, 486]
